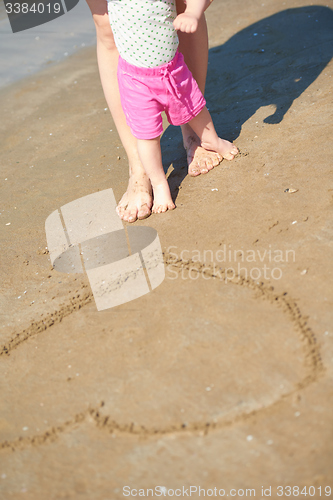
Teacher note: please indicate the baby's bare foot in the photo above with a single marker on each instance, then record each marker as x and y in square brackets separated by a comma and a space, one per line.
[199, 160]
[137, 201]
[162, 199]
[227, 149]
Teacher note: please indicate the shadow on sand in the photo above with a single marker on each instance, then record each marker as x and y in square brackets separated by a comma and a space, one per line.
[272, 62]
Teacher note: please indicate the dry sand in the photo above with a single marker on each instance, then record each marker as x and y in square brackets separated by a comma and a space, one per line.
[205, 381]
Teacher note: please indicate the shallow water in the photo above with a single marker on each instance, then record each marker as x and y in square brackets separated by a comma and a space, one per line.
[29, 51]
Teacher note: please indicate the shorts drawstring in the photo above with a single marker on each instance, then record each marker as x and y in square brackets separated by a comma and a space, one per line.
[171, 84]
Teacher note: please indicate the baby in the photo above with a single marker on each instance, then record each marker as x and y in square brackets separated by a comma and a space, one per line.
[153, 78]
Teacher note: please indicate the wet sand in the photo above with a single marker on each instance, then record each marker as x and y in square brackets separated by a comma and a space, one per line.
[26, 52]
[216, 378]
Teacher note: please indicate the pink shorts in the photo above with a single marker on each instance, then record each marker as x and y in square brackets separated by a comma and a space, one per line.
[146, 92]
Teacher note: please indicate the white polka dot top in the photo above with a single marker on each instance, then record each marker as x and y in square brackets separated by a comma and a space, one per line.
[143, 31]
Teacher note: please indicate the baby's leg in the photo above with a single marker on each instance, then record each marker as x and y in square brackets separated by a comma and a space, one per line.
[151, 158]
[203, 126]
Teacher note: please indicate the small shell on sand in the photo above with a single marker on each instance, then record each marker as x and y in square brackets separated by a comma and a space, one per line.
[290, 190]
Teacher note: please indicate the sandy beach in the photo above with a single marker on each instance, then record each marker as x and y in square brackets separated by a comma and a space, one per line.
[221, 377]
